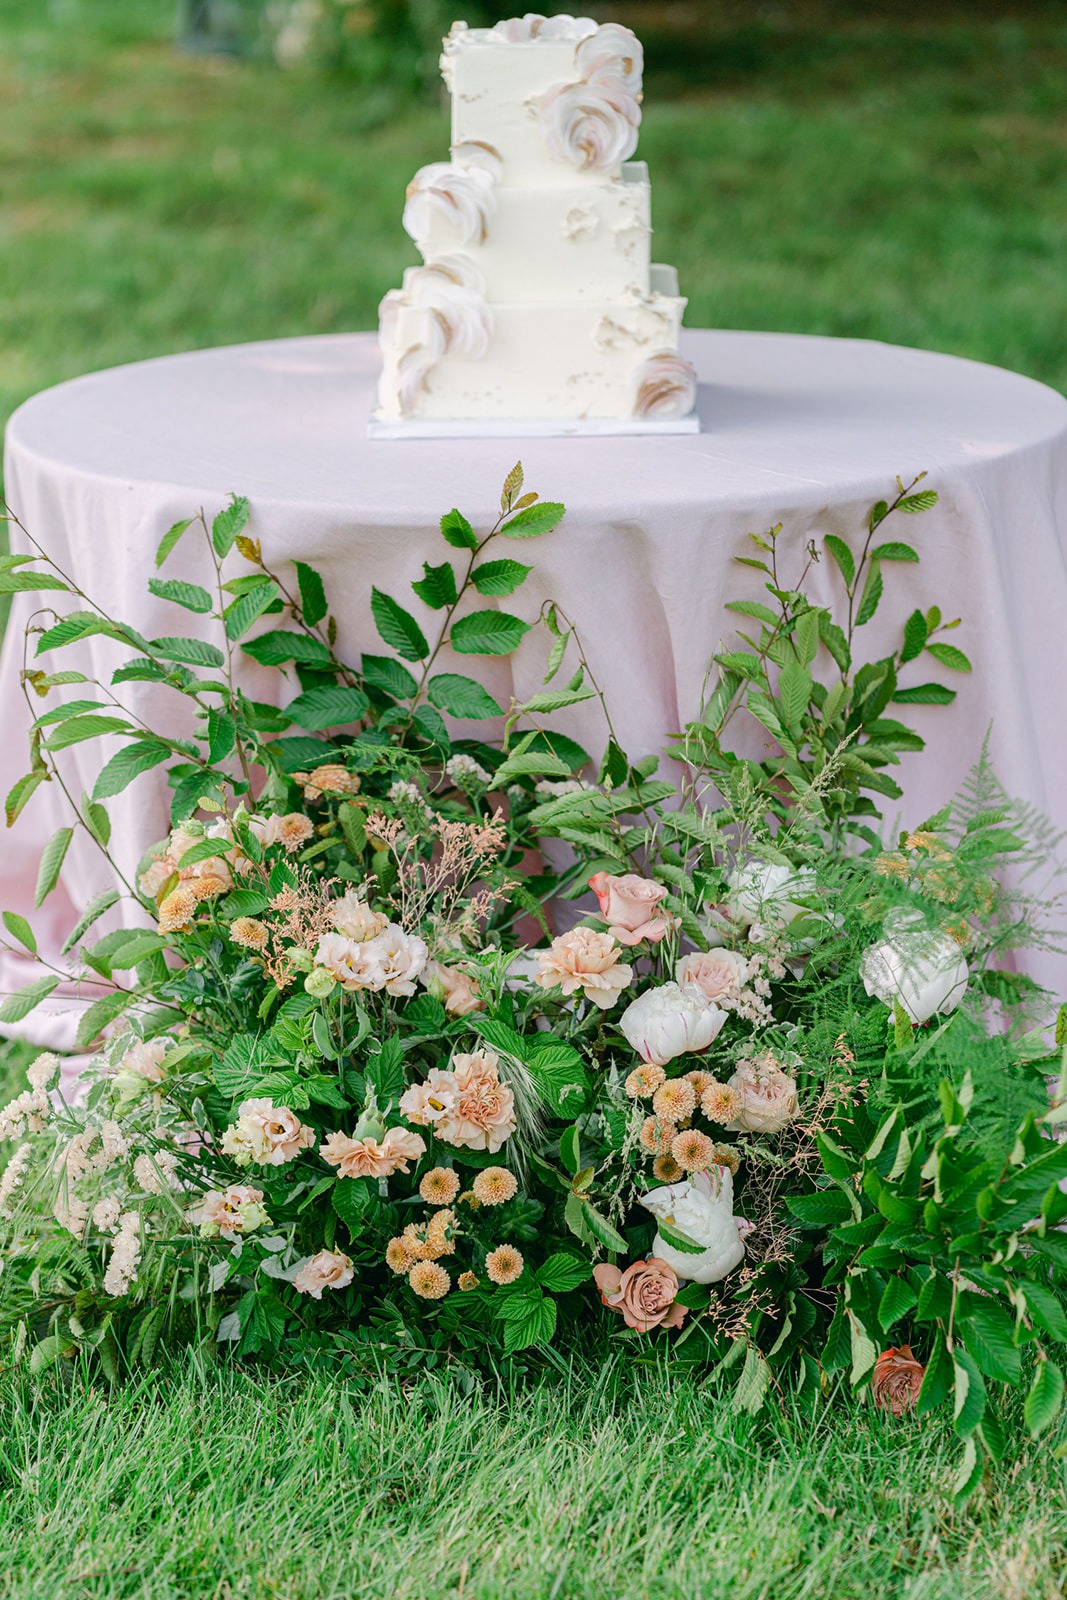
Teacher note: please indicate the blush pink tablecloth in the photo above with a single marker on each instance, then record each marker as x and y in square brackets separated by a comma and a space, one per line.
[806, 431]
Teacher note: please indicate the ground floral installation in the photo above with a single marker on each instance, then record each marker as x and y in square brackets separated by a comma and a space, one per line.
[370, 1086]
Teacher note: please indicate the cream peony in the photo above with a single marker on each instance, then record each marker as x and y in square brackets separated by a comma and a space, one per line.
[582, 959]
[701, 1207]
[670, 1021]
[630, 907]
[768, 1096]
[720, 975]
[327, 1270]
[924, 971]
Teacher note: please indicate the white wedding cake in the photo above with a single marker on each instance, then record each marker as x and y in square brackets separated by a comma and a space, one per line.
[536, 304]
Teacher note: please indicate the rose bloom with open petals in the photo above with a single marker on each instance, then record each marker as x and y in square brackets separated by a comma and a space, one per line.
[768, 1096]
[582, 959]
[630, 907]
[896, 1380]
[371, 1158]
[327, 1270]
[268, 1134]
[720, 975]
[645, 1294]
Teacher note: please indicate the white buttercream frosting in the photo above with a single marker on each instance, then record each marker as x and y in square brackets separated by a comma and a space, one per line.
[458, 321]
[612, 52]
[593, 124]
[463, 196]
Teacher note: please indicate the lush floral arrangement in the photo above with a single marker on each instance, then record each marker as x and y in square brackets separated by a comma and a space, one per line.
[414, 1048]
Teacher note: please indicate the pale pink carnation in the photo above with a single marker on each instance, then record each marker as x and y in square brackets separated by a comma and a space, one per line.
[467, 1106]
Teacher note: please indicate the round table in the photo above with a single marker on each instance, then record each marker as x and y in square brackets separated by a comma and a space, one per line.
[804, 431]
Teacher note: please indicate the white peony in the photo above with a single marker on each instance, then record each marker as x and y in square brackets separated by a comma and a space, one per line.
[760, 892]
[702, 1208]
[924, 971]
[671, 1021]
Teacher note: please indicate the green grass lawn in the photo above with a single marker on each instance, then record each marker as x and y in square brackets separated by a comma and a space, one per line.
[901, 181]
[241, 1487]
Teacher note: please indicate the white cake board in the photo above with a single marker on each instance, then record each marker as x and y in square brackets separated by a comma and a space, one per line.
[501, 428]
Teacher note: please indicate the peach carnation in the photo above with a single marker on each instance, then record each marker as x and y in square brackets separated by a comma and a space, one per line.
[439, 1186]
[630, 907]
[330, 778]
[582, 959]
[504, 1264]
[494, 1186]
[429, 1281]
[467, 1106]
[290, 831]
[644, 1081]
[674, 1100]
[371, 1158]
[645, 1294]
[327, 1270]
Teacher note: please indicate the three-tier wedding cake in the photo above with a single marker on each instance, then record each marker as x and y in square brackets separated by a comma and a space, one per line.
[536, 307]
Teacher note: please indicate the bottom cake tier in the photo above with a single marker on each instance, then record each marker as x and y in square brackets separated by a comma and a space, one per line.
[452, 356]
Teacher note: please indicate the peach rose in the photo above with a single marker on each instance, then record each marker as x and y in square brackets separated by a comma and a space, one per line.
[582, 959]
[327, 1270]
[720, 975]
[630, 907]
[645, 1294]
[371, 1158]
[896, 1380]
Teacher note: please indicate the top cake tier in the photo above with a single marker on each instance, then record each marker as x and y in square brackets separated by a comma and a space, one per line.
[557, 99]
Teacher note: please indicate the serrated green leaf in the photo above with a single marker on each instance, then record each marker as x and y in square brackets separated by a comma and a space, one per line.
[20, 793]
[128, 764]
[949, 656]
[679, 1240]
[24, 1000]
[30, 582]
[1044, 1399]
[844, 558]
[754, 608]
[94, 910]
[458, 532]
[312, 593]
[398, 627]
[333, 706]
[170, 539]
[279, 646]
[437, 587]
[231, 521]
[352, 1199]
[894, 551]
[52, 858]
[753, 1384]
[188, 595]
[382, 672]
[562, 1272]
[872, 593]
[78, 729]
[249, 607]
[488, 633]
[534, 520]
[822, 1209]
[925, 694]
[570, 1150]
[191, 652]
[987, 1329]
[897, 1300]
[499, 577]
[20, 929]
[970, 1393]
[461, 697]
[925, 500]
[100, 1013]
[794, 692]
[536, 1327]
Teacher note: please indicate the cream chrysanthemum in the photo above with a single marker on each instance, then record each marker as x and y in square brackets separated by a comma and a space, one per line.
[504, 1264]
[249, 932]
[656, 1136]
[693, 1151]
[177, 909]
[495, 1186]
[644, 1081]
[666, 1169]
[720, 1103]
[674, 1100]
[700, 1080]
[441, 1233]
[429, 1281]
[727, 1156]
[439, 1186]
[468, 1280]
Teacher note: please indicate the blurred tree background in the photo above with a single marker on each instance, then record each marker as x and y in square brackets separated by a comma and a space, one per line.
[213, 171]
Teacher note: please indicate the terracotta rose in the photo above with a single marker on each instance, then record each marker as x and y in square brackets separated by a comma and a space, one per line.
[644, 1294]
[897, 1379]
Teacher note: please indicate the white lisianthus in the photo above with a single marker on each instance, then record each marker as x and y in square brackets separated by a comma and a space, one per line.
[760, 892]
[924, 971]
[671, 1021]
[701, 1207]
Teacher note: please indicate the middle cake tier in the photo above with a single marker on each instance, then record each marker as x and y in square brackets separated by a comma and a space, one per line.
[586, 242]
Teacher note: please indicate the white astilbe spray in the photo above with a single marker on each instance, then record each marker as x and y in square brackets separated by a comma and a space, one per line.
[125, 1255]
[14, 1173]
[27, 1113]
